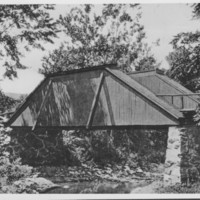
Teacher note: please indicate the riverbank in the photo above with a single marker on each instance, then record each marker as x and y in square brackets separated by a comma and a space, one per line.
[93, 179]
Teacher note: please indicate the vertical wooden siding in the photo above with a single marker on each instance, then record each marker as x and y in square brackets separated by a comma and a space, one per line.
[127, 107]
[158, 86]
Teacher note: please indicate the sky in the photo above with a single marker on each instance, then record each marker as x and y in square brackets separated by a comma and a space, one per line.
[161, 21]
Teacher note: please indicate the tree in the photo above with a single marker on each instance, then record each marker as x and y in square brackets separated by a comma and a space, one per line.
[113, 36]
[6, 102]
[196, 10]
[185, 59]
[23, 27]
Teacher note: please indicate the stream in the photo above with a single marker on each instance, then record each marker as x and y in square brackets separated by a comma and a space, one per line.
[98, 187]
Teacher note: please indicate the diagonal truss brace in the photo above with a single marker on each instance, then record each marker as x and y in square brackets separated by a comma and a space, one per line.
[95, 101]
[42, 104]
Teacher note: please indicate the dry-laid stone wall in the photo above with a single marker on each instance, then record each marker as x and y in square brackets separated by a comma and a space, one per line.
[182, 164]
[172, 163]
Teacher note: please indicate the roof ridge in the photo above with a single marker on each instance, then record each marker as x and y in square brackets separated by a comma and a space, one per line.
[138, 72]
[157, 70]
[85, 69]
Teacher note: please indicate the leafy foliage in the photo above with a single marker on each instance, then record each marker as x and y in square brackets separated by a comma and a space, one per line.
[196, 116]
[196, 10]
[113, 36]
[23, 27]
[10, 169]
[117, 146]
[14, 170]
[4, 139]
[185, 58]
[6, 102]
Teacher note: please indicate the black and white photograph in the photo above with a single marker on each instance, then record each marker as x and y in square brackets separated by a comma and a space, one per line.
[99, 98]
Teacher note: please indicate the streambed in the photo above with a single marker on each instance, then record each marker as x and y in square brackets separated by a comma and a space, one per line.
[99, 187]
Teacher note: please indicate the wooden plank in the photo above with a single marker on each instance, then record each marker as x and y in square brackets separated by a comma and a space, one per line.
[189, 103]
[42, 104]
[95, 101]
[109, 103]
[182, 102]
[141, 73]
[188, 110]
[93, 127]
[114, 93]
[189, 94]
[101, 115]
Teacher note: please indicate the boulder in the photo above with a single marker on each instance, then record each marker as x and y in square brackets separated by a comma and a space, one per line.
[33, 185]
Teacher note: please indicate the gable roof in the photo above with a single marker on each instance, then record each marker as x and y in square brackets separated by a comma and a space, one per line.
[112, 71]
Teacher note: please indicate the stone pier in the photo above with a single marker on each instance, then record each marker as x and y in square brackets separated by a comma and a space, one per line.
[182, 164]
[173, 160]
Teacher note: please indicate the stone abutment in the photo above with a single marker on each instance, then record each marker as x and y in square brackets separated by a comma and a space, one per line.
[182, 163]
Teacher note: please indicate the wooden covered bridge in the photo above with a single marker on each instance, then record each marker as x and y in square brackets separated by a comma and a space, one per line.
[103, 97]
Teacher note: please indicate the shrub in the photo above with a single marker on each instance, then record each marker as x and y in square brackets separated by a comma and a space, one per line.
[132, 147]
[10, 169]
[13, 171]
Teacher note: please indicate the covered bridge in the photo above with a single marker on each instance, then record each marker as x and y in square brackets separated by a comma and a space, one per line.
[103, 97]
